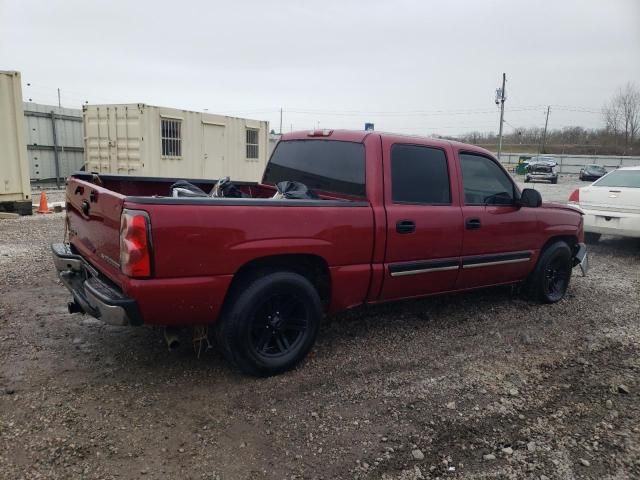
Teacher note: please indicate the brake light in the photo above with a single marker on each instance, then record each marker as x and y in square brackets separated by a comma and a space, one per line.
[575, 196]
[320, 133]
[135, 244]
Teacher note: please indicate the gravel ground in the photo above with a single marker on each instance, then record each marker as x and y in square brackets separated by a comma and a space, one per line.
[479, 385]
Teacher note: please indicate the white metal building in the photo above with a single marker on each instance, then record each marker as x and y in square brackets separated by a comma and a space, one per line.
[139, 139]
[15, 189]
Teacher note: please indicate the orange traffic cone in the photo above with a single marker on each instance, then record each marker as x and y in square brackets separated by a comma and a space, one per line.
[44, 205]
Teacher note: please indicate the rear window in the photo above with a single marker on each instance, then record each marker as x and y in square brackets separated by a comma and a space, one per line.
[326, 165]
[620, 178]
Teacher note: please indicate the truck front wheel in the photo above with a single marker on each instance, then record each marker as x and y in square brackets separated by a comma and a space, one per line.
[550, 279]
[271, 324]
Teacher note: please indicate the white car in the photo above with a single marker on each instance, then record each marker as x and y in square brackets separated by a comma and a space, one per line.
[611, 204]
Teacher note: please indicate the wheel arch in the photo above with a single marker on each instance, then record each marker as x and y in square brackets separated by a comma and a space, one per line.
[313, 267]
[571, 240]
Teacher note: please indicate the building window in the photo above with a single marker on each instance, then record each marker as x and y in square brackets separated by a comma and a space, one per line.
[171, 134]
[252, 143]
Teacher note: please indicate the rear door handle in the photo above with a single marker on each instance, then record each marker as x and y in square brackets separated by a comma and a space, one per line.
[472, 223]
[406, 226]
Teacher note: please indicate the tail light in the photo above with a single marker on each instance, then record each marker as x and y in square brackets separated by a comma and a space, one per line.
[575, 196]
[135, 244]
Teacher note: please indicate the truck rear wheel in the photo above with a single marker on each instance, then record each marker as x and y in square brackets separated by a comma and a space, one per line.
[271, 324]
[550, 279]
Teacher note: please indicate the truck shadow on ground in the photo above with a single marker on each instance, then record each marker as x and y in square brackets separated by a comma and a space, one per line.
[616, 246]
[142, 352]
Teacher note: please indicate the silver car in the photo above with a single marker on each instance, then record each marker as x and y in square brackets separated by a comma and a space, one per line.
[541, 168]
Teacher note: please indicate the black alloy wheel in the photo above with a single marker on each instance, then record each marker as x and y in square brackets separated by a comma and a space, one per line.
[549, 281]
[278, 325]
[556, 278]
[270, 322]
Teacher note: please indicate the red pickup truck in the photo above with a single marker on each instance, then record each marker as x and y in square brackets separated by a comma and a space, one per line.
[388, 217]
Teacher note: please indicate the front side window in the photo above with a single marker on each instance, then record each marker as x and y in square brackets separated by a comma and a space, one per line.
[485, 183]
[325, 165]
[419, 175]
[171, 137]
[252, 143]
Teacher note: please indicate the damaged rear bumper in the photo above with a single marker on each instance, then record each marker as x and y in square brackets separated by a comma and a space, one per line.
[92, 294]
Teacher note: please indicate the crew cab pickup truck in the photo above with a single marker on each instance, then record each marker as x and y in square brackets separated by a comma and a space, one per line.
[392, 217]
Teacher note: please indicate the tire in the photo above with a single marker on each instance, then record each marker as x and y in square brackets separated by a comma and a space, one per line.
[24, 207]
[554, 180]
[271, 324]
[527, 179]
[551, 277]
[590, 237]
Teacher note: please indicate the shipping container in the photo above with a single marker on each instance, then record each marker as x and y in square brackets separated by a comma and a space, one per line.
[139, 139]
[15, 188]
[55, 141]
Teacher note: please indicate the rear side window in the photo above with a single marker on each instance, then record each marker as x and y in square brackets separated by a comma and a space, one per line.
[620, 178]
[485, 183]
[326, 165]
[419, 175]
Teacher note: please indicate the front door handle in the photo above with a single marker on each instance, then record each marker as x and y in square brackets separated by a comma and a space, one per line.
[406, 226]
[472, 223]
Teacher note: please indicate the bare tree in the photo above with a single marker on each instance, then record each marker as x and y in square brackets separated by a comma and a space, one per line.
[622, 113]
[612, 117]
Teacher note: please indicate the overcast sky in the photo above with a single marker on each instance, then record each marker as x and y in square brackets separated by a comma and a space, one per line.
[408, 66]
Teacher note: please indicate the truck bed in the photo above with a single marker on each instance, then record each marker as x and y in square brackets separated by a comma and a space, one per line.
[198, 244]
[159, 187]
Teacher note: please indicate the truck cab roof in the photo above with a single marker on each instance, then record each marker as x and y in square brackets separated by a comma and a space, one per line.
[360, 135]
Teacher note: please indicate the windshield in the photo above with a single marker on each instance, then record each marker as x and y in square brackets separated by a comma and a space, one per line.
[620, 178]
[326, 165]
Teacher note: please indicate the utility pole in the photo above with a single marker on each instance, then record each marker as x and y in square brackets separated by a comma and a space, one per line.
[280, 131]
[59, 104]
[544, 135]
[500, 98]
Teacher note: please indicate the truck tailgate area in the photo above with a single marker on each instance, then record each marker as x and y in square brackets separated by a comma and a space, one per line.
[93, 225]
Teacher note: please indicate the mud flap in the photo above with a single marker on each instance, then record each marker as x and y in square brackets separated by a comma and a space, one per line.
[582, 259]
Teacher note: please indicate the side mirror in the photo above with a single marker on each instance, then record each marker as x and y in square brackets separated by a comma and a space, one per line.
[530, 198]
